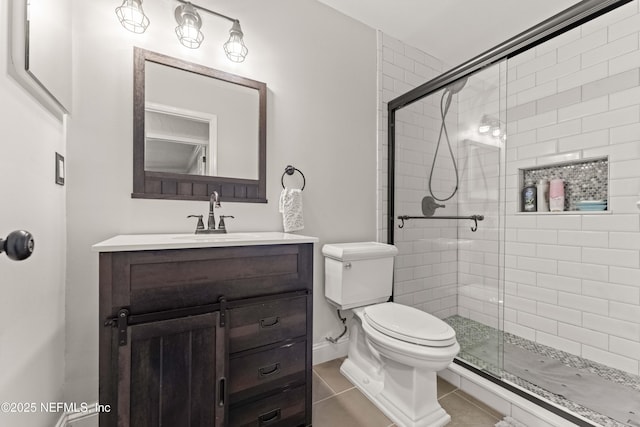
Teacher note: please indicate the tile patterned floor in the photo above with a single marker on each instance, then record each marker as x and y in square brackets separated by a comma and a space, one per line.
[337, 403]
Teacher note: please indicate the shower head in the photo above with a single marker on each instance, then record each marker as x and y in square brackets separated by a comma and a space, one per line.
[457, 86]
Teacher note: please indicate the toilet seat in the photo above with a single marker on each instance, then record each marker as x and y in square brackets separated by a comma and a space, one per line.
[409, 324]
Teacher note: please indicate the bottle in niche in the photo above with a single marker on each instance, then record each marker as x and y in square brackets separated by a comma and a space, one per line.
[529, 194]
[556, 195]
[543, 195]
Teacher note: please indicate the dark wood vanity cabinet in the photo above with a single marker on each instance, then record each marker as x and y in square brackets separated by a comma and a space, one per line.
[206, 337]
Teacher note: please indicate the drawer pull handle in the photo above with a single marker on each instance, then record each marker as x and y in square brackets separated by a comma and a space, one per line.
[266, 371]
[222, 390]
[269, 417]
[269, 322]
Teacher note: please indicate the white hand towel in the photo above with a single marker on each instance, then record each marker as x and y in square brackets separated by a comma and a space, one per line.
[291, 209]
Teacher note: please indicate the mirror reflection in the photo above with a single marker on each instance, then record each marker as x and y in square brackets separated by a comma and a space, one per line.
[198, 125]
[197, 130]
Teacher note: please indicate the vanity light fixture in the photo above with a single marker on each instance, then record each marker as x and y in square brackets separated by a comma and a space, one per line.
[189, 23]
[189, 34]
[491, 125]
[234, 47]
[132, 17]
[485, 125]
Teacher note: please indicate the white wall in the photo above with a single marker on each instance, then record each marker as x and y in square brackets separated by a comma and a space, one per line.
[573, 281]
[32, 331]
[320, 70]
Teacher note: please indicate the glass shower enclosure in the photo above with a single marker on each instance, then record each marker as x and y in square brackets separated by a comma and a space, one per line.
[534, 311]
[449, 160]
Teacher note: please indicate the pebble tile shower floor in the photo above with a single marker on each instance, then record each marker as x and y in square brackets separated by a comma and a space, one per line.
[606, 396]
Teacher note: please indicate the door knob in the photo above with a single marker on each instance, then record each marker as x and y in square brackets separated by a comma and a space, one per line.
[18, 245]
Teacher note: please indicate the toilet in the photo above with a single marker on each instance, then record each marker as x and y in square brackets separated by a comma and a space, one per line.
[394, 350]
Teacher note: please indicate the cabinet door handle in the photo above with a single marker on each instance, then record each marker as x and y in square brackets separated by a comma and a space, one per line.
[269, 322]
[269, 417]
[266, 371]
[222, 389]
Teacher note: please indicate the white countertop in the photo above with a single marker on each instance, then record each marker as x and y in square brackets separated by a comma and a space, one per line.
[148, 242]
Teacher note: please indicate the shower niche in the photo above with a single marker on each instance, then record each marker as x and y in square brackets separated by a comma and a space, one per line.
[586, 184]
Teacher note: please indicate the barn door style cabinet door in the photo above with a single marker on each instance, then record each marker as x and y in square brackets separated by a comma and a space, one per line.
[206, 337]
[169, 372]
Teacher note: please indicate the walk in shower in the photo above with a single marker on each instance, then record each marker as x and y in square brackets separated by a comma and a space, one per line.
[545, 303]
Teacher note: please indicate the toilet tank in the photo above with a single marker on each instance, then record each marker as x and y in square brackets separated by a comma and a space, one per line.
[358, 274]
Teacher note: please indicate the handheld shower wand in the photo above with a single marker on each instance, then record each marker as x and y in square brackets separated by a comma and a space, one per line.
[448, 93]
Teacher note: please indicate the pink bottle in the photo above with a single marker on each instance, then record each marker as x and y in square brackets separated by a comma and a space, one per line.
[556, 195]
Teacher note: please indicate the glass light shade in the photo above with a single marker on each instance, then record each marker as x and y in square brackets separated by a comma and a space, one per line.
[234, 47]
[132, 17]
[189, 35]
[188, 29]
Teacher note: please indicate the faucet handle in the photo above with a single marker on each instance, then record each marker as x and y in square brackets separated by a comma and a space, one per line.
[200, 225]
[221, 225]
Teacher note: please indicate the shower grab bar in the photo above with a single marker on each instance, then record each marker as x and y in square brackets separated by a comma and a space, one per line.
[474, 218]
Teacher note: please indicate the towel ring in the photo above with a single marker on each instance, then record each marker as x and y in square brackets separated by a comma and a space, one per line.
[290, 170]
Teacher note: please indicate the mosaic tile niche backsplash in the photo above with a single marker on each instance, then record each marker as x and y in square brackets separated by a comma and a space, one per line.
[583, 180]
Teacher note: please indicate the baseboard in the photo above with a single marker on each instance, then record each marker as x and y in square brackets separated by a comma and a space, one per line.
[325, 351]
[69, 417]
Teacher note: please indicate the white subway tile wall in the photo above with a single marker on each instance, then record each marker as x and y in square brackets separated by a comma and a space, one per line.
[400, 69]
[426, 266]
[581, 292]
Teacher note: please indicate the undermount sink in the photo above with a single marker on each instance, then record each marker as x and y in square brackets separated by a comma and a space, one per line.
[218, 237]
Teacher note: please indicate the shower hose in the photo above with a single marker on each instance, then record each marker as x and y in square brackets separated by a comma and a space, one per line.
[444, 109]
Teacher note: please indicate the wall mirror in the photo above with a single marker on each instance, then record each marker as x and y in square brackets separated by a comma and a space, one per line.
[197, 130]
[40, 51]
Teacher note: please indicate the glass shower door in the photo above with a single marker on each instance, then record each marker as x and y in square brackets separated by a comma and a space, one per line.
[449, 158]
[482, 154]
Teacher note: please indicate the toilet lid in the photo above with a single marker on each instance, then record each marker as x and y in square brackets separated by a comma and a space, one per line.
[409, 324]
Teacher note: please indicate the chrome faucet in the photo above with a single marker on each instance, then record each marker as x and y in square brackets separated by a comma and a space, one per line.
[214, 202]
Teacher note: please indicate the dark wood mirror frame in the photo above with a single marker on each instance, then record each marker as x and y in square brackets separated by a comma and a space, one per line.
[163, 185]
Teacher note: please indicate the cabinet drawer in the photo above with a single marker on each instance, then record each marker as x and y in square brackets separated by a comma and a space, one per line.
[149, 281]
[268, 322]
[285, 409]
[263, 371]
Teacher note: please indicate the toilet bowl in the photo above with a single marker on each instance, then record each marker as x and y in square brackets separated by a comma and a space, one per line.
[409, 335]
[397, 375]
[394, 350]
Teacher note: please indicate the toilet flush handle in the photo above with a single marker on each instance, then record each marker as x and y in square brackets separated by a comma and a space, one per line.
[347, 265]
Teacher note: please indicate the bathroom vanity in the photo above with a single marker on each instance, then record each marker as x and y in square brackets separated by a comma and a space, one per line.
[206, 330]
